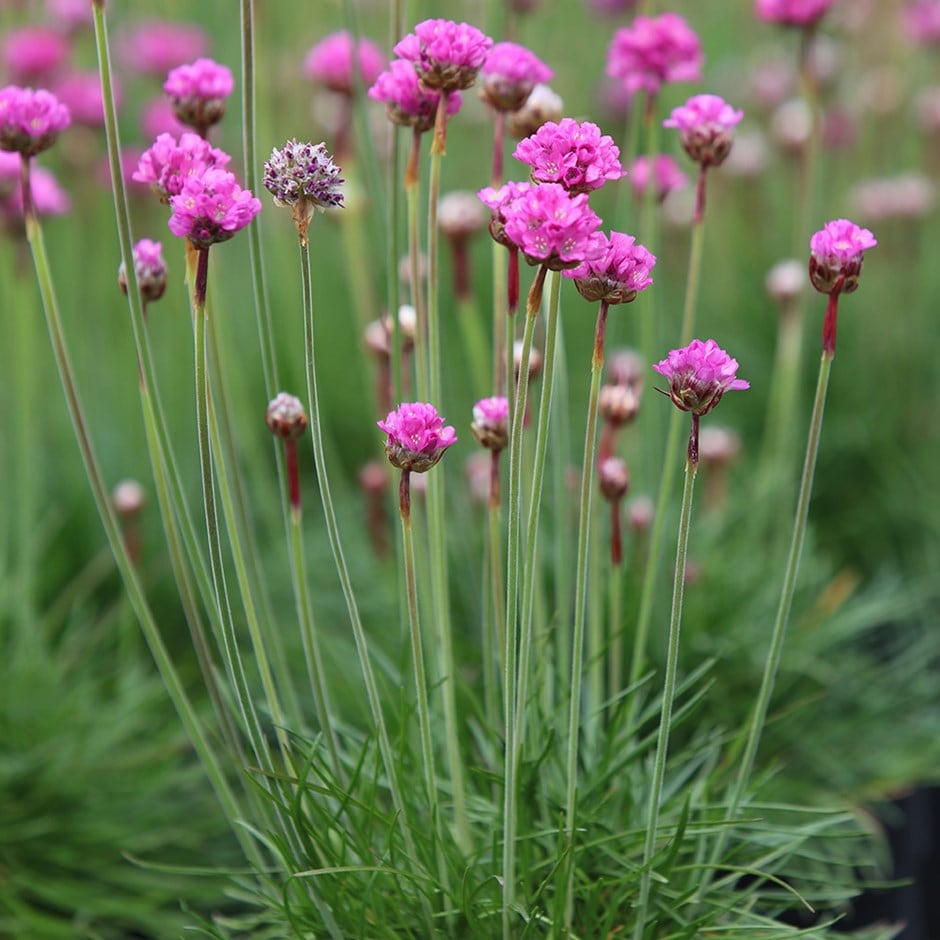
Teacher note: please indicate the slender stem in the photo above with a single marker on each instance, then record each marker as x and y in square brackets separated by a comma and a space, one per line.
[615, 600]
[669, 688]
[393, 240]
[580, 599]
[495, 627]
[500, 318]
[693, 278]
[414, 253]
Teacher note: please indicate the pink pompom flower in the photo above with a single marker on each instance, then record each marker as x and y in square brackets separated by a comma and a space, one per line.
[333, 59]
[706, 128]
[836, 255]
[921, 20]
[211, 207]
[156, 46]
[616, 276]
[446, 55]
[661, 172]
[167, 163]
[150, 269]
[80, 92]
[509, 74]
[699, 374]
[198, 92]
[47, 197]
[552, 228]
[577, 156]
[802, 13]
[407, 101]
[491, 422]
[30, 120]
[33, 53]
[417, 436]
[654, 50]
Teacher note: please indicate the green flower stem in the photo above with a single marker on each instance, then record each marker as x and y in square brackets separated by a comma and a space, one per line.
[615, 613]
[513, 570]
[693, 278]
[412, 178]
[393, 241]
[580, 603]
[782, 619]
[362, 647]
[669, 685]
[494, 630]
[171, 679]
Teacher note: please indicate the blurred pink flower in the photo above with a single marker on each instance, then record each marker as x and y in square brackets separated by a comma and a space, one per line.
[417, 436]
[149, 268]
[211, 207]
[11, 165]
[509, 74]
[905, 196]
[157, 117]
[156, 46]
[48, 197]
[80, 92]
[330, 62]
[616, 276]
[168, 163]
[446, 55]
[407, 101]
[491, 422]
[921, 20]
[653, 51]
[792, 12]
[662, 172]
[198, 91]
[706, 128]
[30, 120]
[699, 374]
[836, 255]
[33, 54]
[72, 14]
[575, 155]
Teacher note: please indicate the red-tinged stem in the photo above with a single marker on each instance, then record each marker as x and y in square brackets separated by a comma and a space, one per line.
[404, 496]
[512, 287]
[202, 277]
[439, 145]
[25, 186]
[699, 212]
[414, 158]
[293, 473]
[461, 259]
[494, 479]
[616, 537]
[829, 324]
[693, 443]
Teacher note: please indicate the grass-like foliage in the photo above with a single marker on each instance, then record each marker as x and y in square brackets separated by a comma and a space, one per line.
[487, 638]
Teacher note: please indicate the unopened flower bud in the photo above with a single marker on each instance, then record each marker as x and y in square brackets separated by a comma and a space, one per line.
[150, 269]
[128, 499]
[836, 255]
[460, 214]
[618, 404]
[718, 446]
[285, 417]
[491, 422]
[785, 281]
[640, 513]
[614, 478]
[373, 477]
[541, 106]
[627, 367]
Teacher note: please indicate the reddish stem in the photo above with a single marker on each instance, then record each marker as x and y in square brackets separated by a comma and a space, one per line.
[829, 324]
[26, 186]
[616, 539]
[202, 277]
[461, 257]
[597, 360]
[440, 124]
[494, 479]
[414, 160]
[293, 473]
[404, 496]
[699, 212]
[512, 284]
[693, 442]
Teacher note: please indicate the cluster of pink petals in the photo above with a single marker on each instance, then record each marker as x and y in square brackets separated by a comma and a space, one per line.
[577, 156]
[491, 422]
[156, 46]
[655, 50]
[331, 62]
[157, 117]
[30, 120]
[408, 102]
[836, 254]
[921, 20]
[71, 14]
[705, 124]
[699, 374]
[168, 163]
[509, 74]
[80, 92]
[552, 227]
[792, 12]
[149, 269]
[446, 55]
[204, 79]
[616, 276]
[661, 171]
[46, 195]
[33, 53]
[417, 436]
[211, 207]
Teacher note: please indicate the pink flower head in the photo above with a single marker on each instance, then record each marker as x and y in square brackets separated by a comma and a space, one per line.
[491, 422]
[80, 92]
[655, 50]
[803, 13]
[198, 91]
[46, 195]
[496, 200]
[446, 55]
[575, 155]
[836, 255]
[156, 46]
[509, 74]
[211, 208]
[72, 14]
[618, 275]
[553, 228]
[167, 164]
[33, 53]
[331, 62]
[407, 101]
[150, 269]
[417, 437]
[706, 128]
[157, 117]
[661, 172]
[30, 120]
[922, 22]
[699, 375]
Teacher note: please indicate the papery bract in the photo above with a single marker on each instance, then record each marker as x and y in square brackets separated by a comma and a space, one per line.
[836, 255]
[491, 422]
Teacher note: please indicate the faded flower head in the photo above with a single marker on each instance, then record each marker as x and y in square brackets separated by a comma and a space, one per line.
[417, 436]
[198, 92]
[654, 50]
[801, 13]
[613, 477]
[661, 172]
[334, 59]
[446, 55]
[460, 214]
[706, 128]
[541, 106]
[80, 92]
[509, 74]
[699, 374]
[33, 53]
[491, 422]
[785, 281]
[211, 208]
[30, 120]
[303, 174]
[619, 404]
[167, 164]
[150, 269]
[156, 46]
[836, 255]
[616, 276]
[575, 155]
[286, 417]
[407, 101]
[553, 228]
